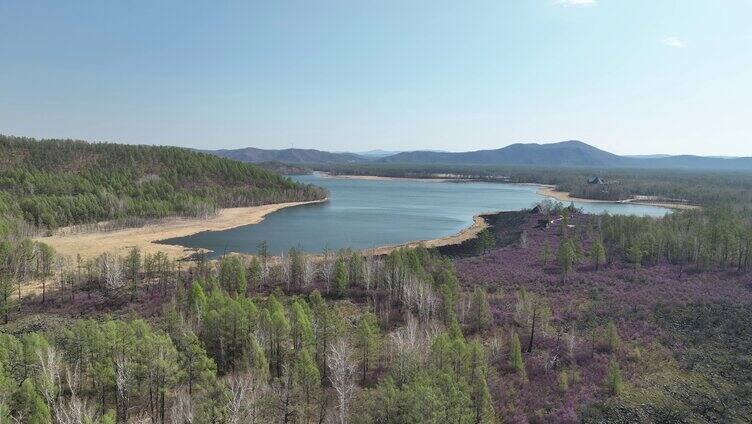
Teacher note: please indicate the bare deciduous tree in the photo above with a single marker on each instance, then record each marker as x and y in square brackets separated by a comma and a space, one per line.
[370, 268]
[49, 375]
[342, 370]
[182, 408]
[326, 266]
[406, 349]
[73, 409]
[245, 392]
[111, 271]
[122, 381]
[419, 297]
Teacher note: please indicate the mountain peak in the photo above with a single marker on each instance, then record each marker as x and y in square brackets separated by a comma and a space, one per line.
[562, 153]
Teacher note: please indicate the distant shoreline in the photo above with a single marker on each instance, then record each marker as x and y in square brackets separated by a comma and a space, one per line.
[548, 190]
[380, 178]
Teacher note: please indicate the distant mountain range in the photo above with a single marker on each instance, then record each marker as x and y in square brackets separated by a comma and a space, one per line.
[254, 155]
[567, 153]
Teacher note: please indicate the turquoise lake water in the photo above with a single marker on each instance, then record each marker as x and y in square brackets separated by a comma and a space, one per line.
[363, 214]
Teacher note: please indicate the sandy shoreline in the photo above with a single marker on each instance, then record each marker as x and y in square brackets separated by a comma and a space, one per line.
[146, 238]
[90, 245]
[479, 224]
[563, 196]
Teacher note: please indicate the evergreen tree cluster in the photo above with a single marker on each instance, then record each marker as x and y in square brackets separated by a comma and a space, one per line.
[717, 237]
[55, 183]
[227, 349]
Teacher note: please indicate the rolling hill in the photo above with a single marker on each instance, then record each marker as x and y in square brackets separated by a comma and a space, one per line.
[254, 155]
[54, 183]
[566, 153]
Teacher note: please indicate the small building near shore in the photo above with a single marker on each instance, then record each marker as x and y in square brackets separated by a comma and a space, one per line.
[596, 180]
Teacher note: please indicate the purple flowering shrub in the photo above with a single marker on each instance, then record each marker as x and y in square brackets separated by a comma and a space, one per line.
[581, 306]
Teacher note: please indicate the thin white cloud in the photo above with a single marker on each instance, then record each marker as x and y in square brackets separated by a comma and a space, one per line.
[674, 42]
[577, 3]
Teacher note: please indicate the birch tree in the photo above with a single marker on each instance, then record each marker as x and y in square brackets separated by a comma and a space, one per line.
[342, 374]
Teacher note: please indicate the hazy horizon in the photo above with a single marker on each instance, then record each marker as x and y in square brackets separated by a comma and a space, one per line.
[631, 78]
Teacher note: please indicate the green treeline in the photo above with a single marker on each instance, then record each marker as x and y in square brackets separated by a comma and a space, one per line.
[700, 239]
[54, 183]
[717, 237]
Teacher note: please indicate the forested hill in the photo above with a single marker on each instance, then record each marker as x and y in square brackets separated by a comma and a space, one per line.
[570, 153]
[254, 155]
[567, 153]
[55, 183]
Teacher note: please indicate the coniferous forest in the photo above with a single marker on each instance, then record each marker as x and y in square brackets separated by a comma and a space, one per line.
[375, 212]
[48, 184]
[548, 315]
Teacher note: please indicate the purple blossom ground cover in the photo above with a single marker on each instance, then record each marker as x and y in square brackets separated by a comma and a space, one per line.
[581, 306]
[685, 336]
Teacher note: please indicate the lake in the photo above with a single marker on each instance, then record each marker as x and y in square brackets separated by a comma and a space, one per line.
[364, 214]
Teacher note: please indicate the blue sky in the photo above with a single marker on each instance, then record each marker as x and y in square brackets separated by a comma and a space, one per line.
[628, 76]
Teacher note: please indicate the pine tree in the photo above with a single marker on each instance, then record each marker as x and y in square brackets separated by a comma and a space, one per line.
[232, 275]
[45, 257]
[449, 290]
[597, 254]
[324, 328]
[515, 357]
[341, 277]
[255, 272]
[357, 263]
[6, 298]
[566, 257]
[198, 367]
[257, 362]
[635, 254]
[6, 388]
[301, 330]
[30, 404]
[612, 337]
[480, 312]
[485, 241]
[308, 379]
[366, 342]
[479, 394]
[297, 269]
[613, 377]
[278, 328]
[196, 298]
